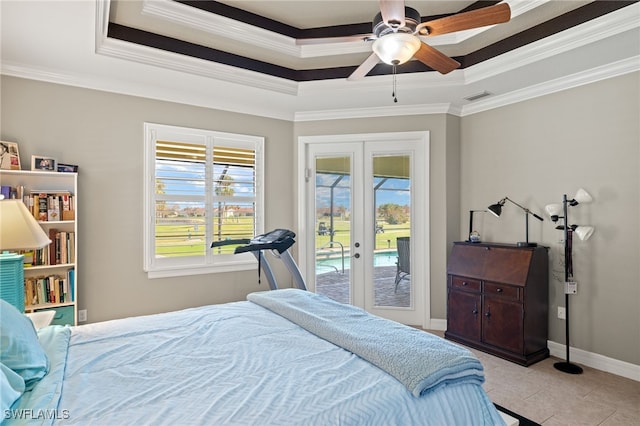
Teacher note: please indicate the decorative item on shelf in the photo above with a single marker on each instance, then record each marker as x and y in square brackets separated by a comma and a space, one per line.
[46, 164]
[18, 231]
[496, 209]
[67, 168]
[557, 212]
[9, 156]
[474, 236]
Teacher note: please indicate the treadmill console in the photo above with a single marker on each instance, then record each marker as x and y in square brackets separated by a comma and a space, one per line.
[278, 239]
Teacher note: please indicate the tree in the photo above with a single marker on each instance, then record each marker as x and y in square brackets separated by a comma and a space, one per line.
[393, 214]
[161, 206]
[223, 188]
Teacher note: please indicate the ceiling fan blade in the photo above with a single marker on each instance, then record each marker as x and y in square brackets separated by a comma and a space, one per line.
[392, 12]
[364, 68]
[435, 59]
[326, 40]
[467, 20]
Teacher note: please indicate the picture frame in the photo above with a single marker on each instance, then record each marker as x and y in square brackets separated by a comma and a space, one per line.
[67, 168]
[9, 156]
[42, 163]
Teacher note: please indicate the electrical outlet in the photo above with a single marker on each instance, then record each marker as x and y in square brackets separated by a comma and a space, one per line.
[82, 315]
[562, 314]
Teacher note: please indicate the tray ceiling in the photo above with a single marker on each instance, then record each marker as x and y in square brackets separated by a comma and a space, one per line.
[187, 51]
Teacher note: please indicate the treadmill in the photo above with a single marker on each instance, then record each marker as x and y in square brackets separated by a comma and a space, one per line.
[278, 241]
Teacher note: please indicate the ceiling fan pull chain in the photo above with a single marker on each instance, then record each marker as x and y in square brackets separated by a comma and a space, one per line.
[395, 98]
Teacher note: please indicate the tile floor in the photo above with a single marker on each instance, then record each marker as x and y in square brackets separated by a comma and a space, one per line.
[550, 397]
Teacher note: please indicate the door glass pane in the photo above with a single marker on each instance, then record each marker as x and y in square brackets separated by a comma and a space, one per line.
[392, 229]
[333, 227]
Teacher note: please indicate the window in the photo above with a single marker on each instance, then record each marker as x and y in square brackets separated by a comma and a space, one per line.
[201, 186]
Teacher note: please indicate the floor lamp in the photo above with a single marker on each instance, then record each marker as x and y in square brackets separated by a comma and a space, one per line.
[570, 286]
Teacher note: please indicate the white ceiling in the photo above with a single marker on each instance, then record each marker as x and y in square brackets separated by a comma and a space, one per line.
[65, 42]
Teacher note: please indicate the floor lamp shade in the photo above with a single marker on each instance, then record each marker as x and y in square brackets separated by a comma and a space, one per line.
[584, 232]
[18, 231]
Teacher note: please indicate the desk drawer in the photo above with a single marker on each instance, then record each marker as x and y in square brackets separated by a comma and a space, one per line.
[506, 291]
[463, 283]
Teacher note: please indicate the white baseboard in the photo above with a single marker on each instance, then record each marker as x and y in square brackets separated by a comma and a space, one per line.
[593, 360]
[437, 324]
[579, 356]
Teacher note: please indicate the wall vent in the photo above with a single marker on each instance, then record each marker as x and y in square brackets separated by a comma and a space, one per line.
[478, 96]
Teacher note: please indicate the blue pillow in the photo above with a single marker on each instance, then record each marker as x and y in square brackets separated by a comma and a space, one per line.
[11, 387]
[20, 349]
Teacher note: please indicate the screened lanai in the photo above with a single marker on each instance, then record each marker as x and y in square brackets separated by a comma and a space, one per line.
[391, 208]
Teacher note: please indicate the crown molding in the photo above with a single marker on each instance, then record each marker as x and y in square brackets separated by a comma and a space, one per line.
[281, 98]
[592, 31]
[221, 26]
[391, 111]
[558, 85]
[147, 55]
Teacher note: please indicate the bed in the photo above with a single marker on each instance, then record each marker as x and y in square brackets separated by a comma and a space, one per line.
[284, 357]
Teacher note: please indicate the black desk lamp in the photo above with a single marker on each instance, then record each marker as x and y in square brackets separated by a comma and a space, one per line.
[496, 209]
[475, 238]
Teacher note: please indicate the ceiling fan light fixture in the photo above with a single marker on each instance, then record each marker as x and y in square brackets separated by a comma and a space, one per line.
[396, 48]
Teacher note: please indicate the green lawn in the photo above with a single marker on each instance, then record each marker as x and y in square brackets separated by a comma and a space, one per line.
[185, 236]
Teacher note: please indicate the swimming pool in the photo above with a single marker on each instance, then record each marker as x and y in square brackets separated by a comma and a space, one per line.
[385, 258]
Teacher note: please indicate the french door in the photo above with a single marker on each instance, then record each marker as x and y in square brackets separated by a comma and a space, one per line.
[364, 221]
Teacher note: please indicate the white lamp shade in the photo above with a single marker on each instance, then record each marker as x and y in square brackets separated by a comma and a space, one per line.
[396, 48]
[554, 209]
[583, 197]
[18, 228]
[584, 232]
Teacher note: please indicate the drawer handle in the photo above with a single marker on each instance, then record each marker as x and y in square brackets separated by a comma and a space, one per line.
[499, 290]
[464, 283]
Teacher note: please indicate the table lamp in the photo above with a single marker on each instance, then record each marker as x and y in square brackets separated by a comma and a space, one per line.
[18, 231]
[496, 209]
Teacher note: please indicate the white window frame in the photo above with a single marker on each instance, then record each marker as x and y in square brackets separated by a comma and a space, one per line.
[209, 263]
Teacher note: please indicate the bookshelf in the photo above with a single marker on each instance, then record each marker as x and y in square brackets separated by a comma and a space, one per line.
[50, 273]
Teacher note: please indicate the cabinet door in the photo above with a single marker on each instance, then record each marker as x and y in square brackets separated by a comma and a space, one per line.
[502, 324]
[463, 318]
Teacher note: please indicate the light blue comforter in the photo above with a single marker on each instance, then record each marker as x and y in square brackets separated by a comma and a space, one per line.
[231, 364]
[421, 361]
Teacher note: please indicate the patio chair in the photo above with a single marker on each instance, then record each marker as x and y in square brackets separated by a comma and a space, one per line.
[403, 264]
[323, 229]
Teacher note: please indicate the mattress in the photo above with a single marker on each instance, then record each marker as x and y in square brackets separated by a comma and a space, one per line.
[243, 363]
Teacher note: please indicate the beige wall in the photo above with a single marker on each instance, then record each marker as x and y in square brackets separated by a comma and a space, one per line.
[103, 134]
[532, 152]
[536, 151]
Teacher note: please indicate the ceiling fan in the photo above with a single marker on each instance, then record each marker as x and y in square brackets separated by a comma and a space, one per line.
[397, 30]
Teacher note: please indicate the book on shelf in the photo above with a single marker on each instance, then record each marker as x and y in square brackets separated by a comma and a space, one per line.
[52, 246]
[47, 289]
[6, 191]
[42, 207]
[62, 250]
[47, 205]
